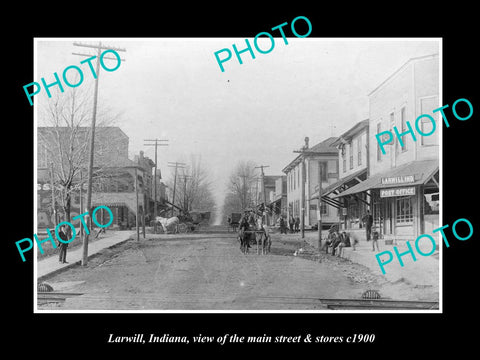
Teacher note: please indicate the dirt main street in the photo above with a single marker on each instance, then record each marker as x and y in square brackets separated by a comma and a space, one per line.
[208, 272]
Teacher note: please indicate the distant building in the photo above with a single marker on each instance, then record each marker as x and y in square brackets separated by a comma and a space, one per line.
[323, 154]
[278, 199]
[148, 165]
[273, 186]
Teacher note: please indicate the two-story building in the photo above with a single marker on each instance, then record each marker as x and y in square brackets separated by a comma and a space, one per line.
[353, 161]
[402, 188]
[62, 160]
[305, 168]
[278, 199]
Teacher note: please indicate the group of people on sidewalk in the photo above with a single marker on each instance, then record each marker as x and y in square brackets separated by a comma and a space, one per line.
[337, 241]
[293, 223]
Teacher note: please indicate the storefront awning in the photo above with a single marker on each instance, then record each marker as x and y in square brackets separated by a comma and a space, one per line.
[110, 204]
[411, 174]
[354, 178]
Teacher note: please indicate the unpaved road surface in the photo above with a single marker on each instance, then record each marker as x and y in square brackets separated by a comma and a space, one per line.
[208, 272]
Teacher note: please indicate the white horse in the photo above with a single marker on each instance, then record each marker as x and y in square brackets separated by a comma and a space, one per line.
[168, 222]
[263, 237]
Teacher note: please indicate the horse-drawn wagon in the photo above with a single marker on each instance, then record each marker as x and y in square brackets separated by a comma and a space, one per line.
[233, 221]
[253, 230]
[191, 221]
[183, 223]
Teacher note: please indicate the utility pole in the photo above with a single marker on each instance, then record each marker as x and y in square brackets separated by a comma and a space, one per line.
[319, 205]
[302, 194]
[99, 48]
[54, 210]
[302, 201]
[185, 202]
[243, 194]
[136, 205]
[256, 191]
[303, 152]
[176, 165]
[261, 167]
[156, 144]
[81, 203]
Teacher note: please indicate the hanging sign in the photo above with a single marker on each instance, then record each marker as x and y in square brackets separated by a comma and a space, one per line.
[404, 179]
[405, 191]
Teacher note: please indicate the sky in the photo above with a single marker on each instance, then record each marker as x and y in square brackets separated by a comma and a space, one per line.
[261, 110]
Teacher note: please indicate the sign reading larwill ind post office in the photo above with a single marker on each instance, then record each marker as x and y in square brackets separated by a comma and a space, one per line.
[405, 179]
[404, 191]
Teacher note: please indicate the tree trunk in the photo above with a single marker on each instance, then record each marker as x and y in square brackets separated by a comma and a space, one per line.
[67, 206]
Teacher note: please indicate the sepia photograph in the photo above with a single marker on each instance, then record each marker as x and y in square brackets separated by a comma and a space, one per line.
[272, 174]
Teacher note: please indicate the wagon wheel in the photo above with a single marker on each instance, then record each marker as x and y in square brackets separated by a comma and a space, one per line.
[182, 228]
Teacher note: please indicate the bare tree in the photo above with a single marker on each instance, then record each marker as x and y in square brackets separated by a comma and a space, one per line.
[193, 190]
[242, 188]
[64, 141]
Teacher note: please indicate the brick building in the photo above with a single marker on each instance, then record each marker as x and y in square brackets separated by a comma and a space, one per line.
[65, 151]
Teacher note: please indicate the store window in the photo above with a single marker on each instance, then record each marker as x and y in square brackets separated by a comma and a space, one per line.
[324, 208]
[404, 128]
[42, 159]
[427, 106]
[379, 151]
[353, 211]
[359, 150]
[431, 203]
[324, 170]
[350, 148]
[404, 210]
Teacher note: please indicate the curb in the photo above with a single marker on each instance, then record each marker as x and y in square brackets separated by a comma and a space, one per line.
[42, 278]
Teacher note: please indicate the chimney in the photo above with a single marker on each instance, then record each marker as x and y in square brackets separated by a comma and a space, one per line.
[306, 142]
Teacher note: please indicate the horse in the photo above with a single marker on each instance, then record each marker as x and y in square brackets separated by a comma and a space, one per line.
[244, 235]
[262, 236]
[168, 222]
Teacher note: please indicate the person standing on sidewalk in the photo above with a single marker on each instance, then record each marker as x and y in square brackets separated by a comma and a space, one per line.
[283, 228]
[375, 236]
[291, 223]
[368, 222]
[63, 233]
[297, 224]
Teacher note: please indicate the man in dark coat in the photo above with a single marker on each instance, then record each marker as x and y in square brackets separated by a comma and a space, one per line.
[368, 222]
[291, 223]
[63, 233]
[283, 228]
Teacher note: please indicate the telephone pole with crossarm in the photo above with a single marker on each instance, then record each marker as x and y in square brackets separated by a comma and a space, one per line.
[98, 48]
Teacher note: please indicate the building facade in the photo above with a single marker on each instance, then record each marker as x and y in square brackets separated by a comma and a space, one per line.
[353, 159]
[277, 198]
[305, 168]
[62, 158]
[402, 188]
